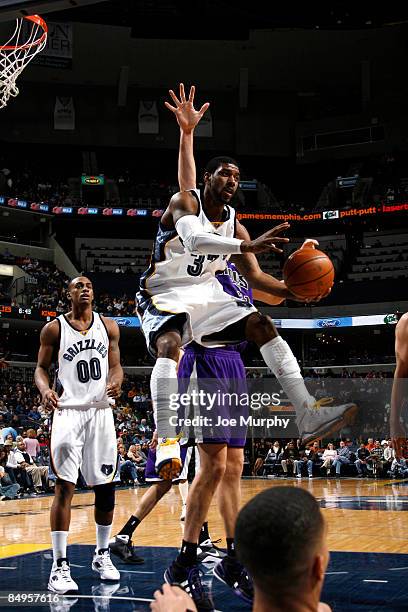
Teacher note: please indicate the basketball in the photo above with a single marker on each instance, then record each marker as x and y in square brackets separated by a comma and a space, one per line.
[308, 273]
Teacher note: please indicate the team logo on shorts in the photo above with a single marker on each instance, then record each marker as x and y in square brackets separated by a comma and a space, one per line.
[106, 469]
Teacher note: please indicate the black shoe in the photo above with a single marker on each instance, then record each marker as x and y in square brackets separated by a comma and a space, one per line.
[189, 579]
[125, 551]
[233, 574]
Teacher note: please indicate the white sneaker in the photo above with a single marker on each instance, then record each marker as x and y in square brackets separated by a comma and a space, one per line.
[102, 564]
[310, 476]
[323, 419]
[168, 462]
[60, 580]
[298, 475]
[183, 513]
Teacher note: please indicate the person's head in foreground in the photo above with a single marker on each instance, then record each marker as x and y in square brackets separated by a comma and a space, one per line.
[281, 539]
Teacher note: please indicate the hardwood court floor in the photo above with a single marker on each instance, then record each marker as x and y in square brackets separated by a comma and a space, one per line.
[362, 515]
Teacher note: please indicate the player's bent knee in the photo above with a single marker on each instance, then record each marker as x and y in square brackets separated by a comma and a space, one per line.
[168, 345]
[105, 497]
[260, 328]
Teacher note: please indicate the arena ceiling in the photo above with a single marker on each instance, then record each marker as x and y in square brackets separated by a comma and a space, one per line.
[221, 19]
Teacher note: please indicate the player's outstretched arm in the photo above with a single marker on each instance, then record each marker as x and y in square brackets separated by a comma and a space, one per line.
[48, 342]
[115, 375]
[399, 392]
[187, 118]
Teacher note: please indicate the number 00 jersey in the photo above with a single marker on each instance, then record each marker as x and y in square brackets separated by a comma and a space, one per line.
[82, 364]
[173, 266]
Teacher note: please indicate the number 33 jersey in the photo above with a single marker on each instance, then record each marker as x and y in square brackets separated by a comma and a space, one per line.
[83, 366]
[174, 266]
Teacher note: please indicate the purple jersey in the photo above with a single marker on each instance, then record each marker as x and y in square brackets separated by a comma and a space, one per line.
[234, 284]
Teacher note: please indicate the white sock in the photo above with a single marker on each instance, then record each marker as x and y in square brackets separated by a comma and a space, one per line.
[59, 544]
[279, 358]
[183, 488]
[102, 536]
[163, 375]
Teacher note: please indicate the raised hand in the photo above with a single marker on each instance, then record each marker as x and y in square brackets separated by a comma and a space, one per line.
[187, 116]
[267, 242]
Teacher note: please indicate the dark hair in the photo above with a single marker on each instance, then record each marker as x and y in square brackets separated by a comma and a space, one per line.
[216, 162]
[275, 535]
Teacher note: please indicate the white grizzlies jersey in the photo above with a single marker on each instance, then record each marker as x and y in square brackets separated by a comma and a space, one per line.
[83, 365]
[172, 266]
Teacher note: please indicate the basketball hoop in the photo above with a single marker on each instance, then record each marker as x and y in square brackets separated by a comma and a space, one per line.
[17, 53]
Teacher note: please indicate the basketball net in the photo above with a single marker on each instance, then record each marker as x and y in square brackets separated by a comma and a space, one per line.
[18, 51]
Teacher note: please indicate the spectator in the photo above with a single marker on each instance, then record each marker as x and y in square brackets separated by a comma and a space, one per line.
[289, 455]
[16, 472]
[34, 414]
[272, 458]
[299, 464]
[9, 430]
[285, 552]
[139, 459]
[260, 454]
[314, 458]
[127, 468]
[361, 464]
[32, 444]
[25, 461]
[375, 458]
[329, 456]
[343, 457]
[370, 444]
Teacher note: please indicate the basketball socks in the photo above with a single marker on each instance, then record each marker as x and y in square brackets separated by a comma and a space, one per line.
[102, 536]
[204, 535]
[279, 358]
[230, 547]
[127, 530]
[59, 544]
[188, 554]
[164, 370]
[183, 488]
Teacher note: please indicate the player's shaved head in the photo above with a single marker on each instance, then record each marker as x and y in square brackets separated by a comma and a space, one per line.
[78, 279]
[214, 163]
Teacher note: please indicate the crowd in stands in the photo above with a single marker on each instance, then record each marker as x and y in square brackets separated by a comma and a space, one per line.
[48, 284]
[25, 437]
[361, 458]
[377, 179]
[25, 427]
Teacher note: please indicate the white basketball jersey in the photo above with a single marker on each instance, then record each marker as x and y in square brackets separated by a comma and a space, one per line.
[82, 364]
[173, 266]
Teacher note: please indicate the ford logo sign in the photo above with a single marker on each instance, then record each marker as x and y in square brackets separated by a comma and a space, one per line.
[124, 322]
[328, 323]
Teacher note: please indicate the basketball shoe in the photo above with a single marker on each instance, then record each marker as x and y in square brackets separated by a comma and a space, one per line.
[168, 461]
[189, 579]
[321, 418]
[102, 564]
[121, 546]
[208, 553]
[234, 575]
[60, 578]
